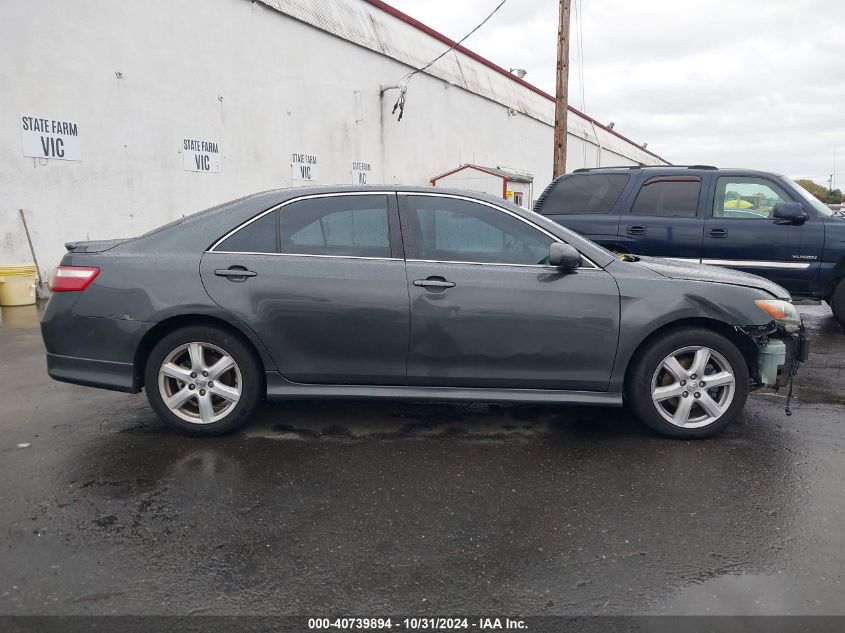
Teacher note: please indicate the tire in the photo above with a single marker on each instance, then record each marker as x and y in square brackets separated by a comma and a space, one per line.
[207, 408]
[837, 302]
[650, 371]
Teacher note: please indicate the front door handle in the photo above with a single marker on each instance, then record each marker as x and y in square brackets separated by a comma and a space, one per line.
[434, 282]
[636, 230]
[235, 273]
[718, 232]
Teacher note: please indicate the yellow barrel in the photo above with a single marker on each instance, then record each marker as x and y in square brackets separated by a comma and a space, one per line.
[17, 285]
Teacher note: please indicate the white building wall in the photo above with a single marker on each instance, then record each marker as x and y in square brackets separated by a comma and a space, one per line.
[523, 188]
[261, 84]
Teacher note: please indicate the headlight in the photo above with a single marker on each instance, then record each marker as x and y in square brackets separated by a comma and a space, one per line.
[781, 311]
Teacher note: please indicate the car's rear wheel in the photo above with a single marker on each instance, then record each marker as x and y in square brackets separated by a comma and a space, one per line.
[688, 383]
[837, 302]
[203, 380]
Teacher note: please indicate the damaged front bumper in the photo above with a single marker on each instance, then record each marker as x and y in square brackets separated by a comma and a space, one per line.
[780, 350]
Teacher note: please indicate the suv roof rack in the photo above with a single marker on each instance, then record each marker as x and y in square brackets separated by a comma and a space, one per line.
[583, 169]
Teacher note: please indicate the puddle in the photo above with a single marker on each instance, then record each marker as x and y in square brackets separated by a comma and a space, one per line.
[319, 421]
[758, 594]
[384, 431]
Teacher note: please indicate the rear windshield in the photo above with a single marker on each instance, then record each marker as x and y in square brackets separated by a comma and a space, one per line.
[584, 193]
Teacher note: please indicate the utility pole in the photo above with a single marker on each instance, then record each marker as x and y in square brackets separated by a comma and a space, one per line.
[562, 94]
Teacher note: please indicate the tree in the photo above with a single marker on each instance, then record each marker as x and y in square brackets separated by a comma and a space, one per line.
[822, 193]
[833, 197]
[817, 190]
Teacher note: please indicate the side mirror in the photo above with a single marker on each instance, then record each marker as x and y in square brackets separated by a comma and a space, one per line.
[791, 211]
[564, 256]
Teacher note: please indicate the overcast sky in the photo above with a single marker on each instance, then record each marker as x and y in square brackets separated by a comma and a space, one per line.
[733, 83]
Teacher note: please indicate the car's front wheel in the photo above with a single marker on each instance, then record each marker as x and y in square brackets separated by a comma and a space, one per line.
[688, 383]
[203, 380]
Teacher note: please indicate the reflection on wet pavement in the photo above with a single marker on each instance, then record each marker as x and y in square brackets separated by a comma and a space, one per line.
[759, 594]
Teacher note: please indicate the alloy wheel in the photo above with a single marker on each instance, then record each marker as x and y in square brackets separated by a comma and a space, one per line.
[200, 383]
[693, 387]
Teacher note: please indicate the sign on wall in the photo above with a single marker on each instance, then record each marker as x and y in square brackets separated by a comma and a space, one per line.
[200, 155]
[303, 166]
[50, 138]
[360, 173]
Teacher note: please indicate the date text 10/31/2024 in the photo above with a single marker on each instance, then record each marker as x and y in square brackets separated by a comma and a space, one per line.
[416, 624]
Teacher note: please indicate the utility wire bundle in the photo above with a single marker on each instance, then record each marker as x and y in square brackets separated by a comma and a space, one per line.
[403, 83]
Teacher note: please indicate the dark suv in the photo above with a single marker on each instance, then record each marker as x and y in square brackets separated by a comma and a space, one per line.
[753, 221]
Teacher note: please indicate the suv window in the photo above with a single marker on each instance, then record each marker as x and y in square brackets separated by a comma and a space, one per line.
[668, 196]
[259, 236]
[587, 193]
[453, 230]
[351, 226]
[747, 198]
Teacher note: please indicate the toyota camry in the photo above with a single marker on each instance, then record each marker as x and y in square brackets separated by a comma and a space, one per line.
[403, 292]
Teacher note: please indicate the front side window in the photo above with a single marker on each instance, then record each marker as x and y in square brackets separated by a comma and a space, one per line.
[259, 236]
[820, 207]
[746, 198]
[584, 193]
[668, 197]
[453, 230]
[351, 226]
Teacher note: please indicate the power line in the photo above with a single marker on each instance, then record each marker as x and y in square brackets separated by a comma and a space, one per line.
[579, 45]
[400, 102]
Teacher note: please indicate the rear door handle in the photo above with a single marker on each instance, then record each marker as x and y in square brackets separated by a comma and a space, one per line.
[235, 273]
[434, 282]
[636, 230]
[719, 232]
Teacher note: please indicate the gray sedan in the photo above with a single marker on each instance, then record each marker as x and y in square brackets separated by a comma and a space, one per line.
[408, 293]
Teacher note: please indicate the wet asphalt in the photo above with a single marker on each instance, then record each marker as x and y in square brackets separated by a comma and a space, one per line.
[321, 508]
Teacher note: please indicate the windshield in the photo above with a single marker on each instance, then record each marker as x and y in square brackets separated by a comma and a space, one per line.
[809, 198]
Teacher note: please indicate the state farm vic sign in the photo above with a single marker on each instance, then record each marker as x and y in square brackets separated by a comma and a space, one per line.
[199, 155]
[303, 166]
[50, 138]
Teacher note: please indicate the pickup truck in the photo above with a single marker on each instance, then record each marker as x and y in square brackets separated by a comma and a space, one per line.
[753, 221]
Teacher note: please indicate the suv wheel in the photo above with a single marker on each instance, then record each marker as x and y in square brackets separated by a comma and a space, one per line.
[203, 380]
[837, 302]
[689, 383]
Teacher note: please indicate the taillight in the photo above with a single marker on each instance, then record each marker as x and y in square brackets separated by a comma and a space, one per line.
[73, 278]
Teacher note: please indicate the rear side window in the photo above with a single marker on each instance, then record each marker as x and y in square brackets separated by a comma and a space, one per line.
[668, 196]
[259, 236]
[350, 226]
[584, 193]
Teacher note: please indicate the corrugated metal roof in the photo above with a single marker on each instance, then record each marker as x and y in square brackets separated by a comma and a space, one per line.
[384, 29]
[495, 171]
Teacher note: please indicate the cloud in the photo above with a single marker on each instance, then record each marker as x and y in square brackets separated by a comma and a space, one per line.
[756, 83]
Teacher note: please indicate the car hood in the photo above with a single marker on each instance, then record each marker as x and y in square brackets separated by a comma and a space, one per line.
[674, 269]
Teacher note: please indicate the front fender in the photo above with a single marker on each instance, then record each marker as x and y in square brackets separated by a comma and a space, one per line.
[649, 304]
